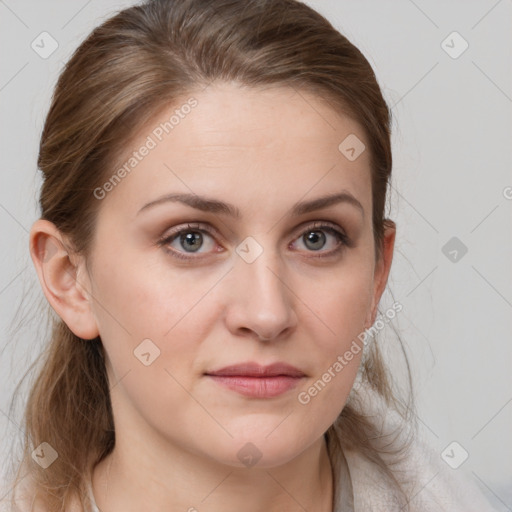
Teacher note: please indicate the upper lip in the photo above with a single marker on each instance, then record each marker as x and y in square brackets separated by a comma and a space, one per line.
[251, 369]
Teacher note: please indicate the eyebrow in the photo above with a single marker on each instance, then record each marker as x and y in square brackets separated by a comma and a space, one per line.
[211, 205]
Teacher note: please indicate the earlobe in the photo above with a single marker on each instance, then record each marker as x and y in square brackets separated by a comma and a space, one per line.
[57, 271]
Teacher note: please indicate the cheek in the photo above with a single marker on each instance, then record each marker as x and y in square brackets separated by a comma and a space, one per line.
[148, 314]
[342, 303]
[150, 330]
[147, 299]
[337, 358]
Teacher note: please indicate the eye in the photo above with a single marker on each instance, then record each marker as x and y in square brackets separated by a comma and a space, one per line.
[316, 237]
[192, 238]
[189, 239]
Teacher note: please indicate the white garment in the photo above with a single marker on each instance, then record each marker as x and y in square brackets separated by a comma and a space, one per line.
[94, 507]
[431, 484]
[437, 487]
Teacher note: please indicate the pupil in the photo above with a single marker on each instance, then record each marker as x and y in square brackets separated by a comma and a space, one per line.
[191, 240]
[313, 236]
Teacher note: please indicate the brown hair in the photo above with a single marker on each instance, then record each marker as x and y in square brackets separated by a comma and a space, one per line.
[131, 66]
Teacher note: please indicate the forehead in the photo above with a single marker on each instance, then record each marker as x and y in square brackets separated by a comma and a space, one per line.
[275, 144]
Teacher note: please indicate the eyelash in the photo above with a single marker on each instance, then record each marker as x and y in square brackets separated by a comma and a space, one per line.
[317, 226]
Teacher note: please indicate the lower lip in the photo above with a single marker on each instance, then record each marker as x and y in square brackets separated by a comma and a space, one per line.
[258, 387]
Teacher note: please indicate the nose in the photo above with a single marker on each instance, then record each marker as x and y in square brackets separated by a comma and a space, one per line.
[261, 302]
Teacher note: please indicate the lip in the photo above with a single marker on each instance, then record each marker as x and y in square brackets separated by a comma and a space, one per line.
[257, 381]
[251, 369]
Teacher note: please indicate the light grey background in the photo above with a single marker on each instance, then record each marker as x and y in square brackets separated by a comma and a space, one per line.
[452, 178]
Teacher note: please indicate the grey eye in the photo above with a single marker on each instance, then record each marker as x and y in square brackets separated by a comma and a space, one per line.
[315, 240]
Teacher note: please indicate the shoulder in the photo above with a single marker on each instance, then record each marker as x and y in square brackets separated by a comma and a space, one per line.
[431, 486]
[429, 483]
[25, 498]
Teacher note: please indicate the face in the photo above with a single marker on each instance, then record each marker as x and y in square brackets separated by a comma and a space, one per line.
[180, 291]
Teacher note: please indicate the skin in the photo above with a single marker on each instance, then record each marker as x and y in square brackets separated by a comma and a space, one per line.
[177, 432]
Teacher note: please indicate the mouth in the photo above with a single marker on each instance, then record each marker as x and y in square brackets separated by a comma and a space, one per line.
[257, 381]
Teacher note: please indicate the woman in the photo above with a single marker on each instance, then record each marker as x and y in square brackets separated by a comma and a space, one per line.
[213, 242]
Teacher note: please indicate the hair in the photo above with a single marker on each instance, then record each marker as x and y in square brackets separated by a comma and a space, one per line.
[134, 64]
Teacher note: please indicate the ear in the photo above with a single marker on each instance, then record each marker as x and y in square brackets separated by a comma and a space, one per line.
[382, 268]
[63, 278]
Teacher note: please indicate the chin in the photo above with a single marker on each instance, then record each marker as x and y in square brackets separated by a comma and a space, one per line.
[261, 450]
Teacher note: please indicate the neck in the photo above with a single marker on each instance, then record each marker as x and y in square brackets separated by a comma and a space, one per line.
[136, 477]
